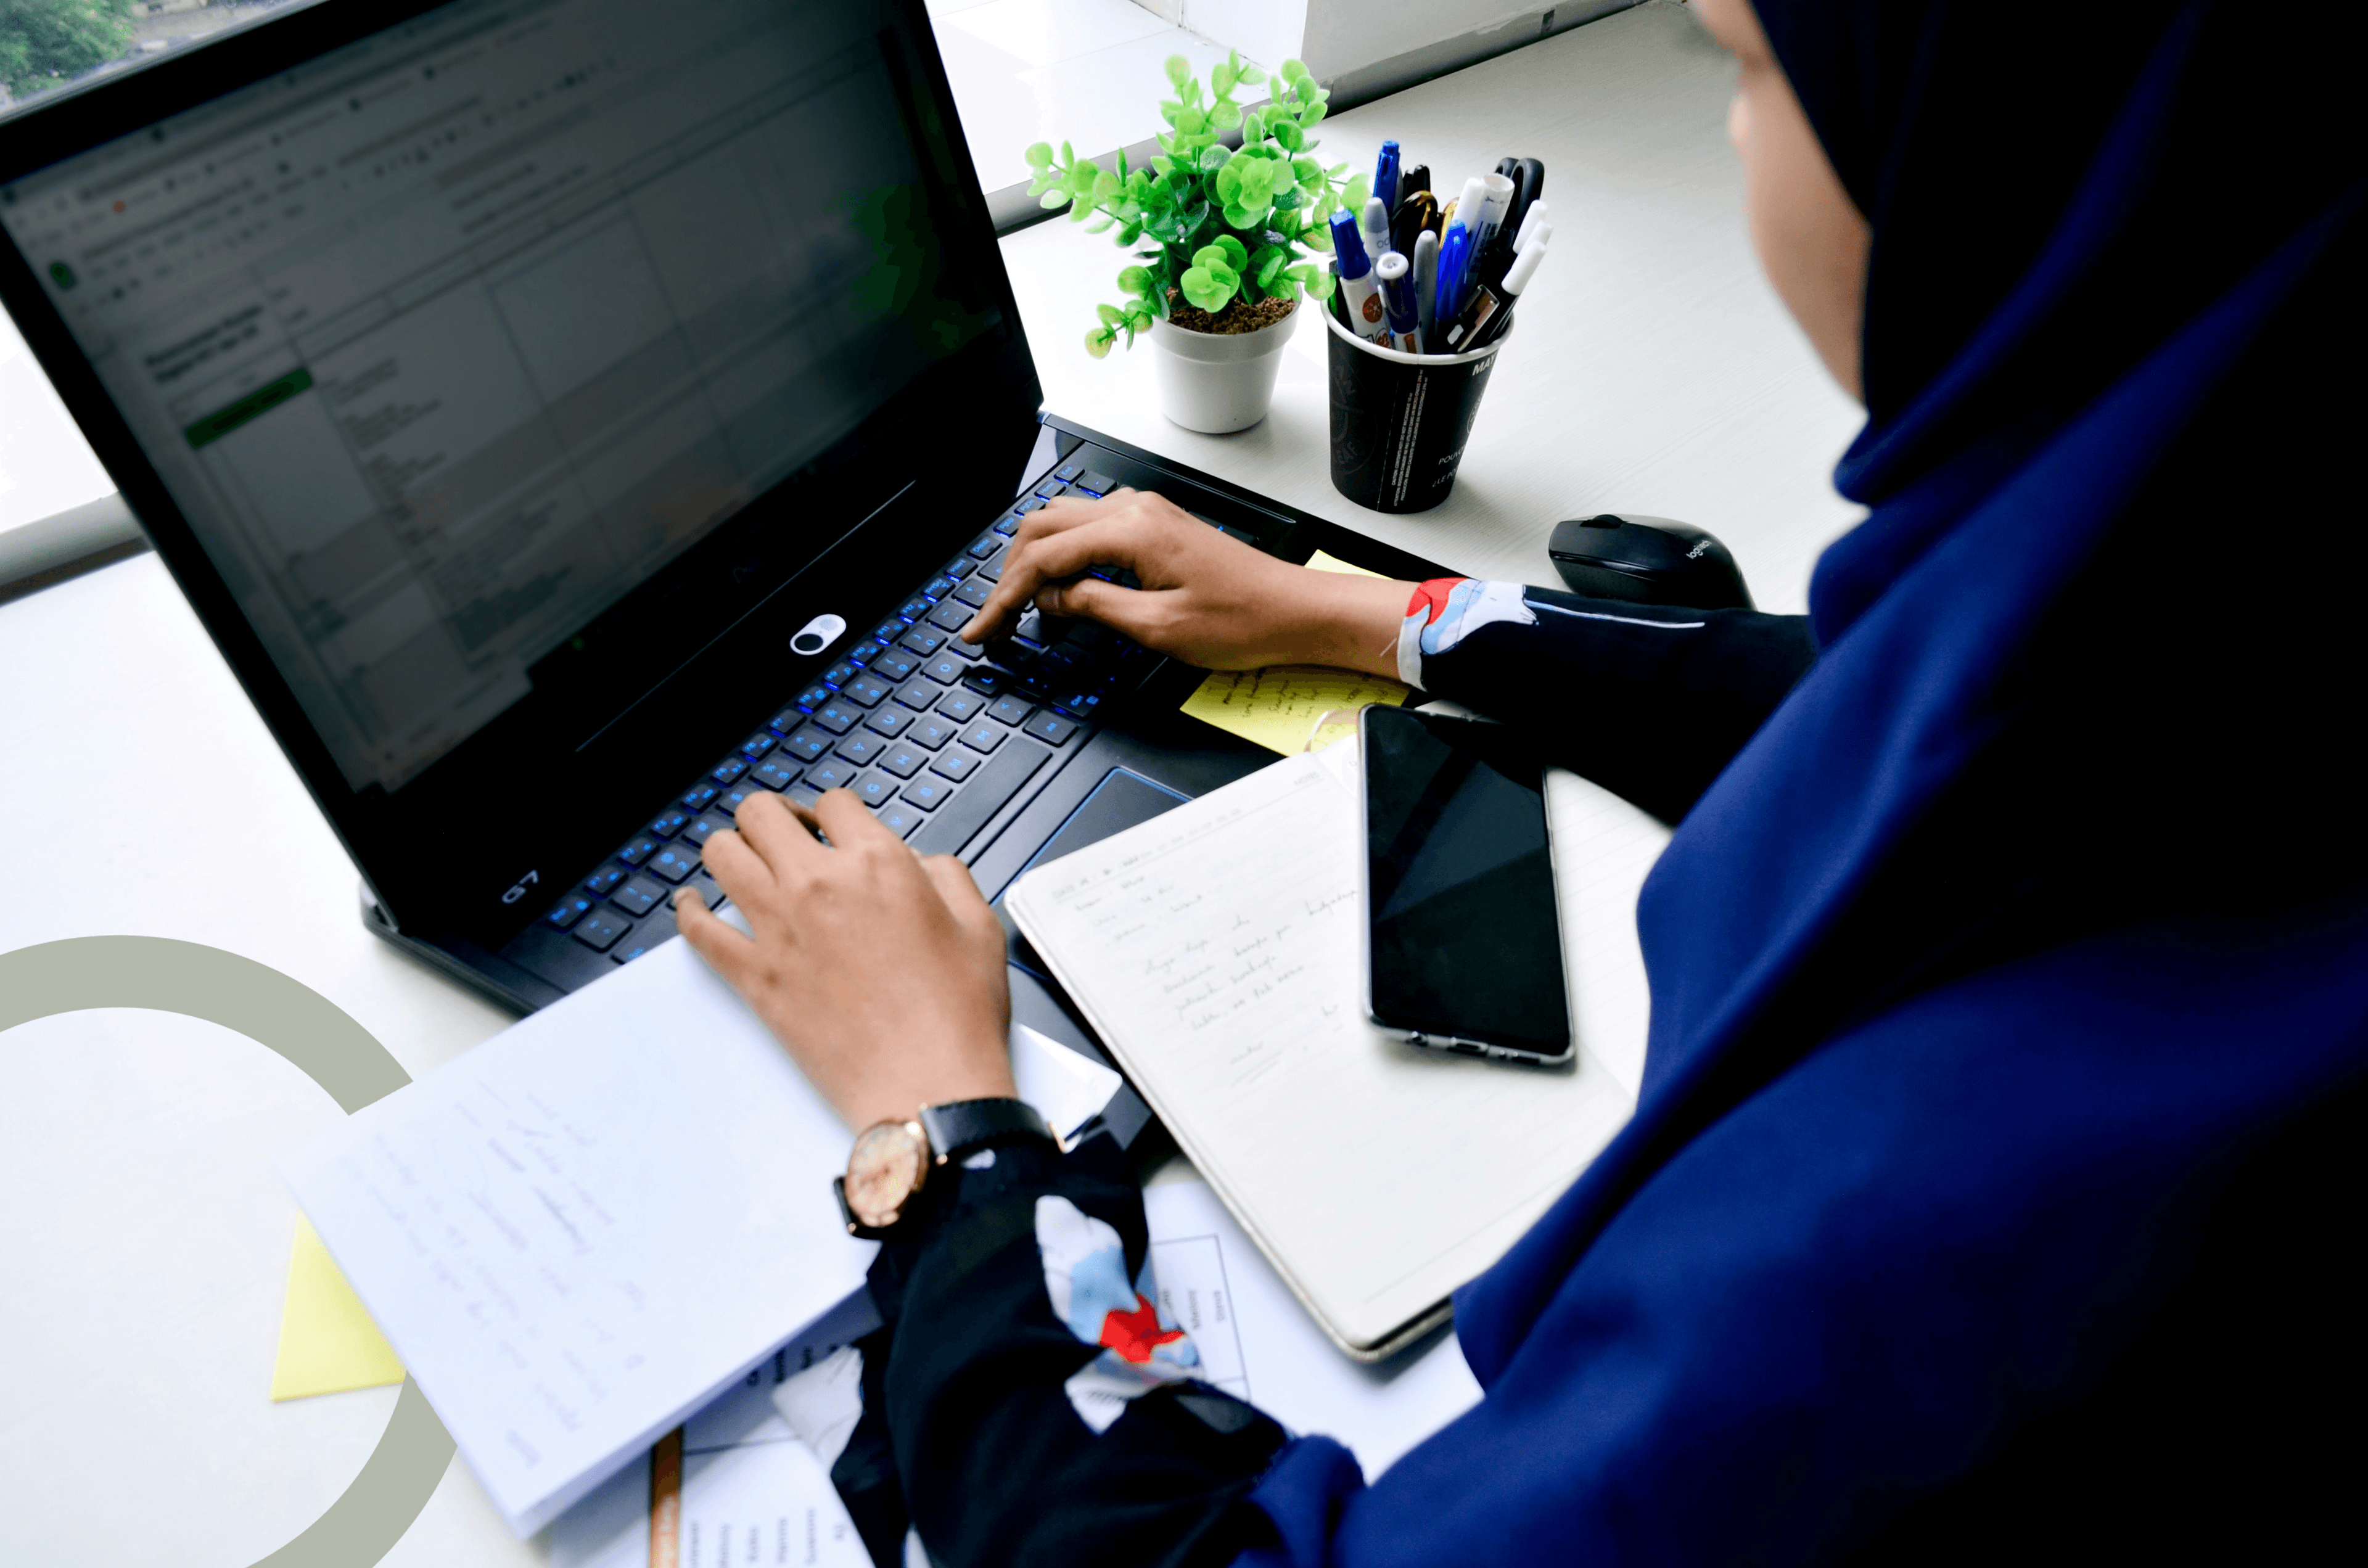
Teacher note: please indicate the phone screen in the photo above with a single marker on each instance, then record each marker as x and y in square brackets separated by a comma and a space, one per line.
[1463, 942]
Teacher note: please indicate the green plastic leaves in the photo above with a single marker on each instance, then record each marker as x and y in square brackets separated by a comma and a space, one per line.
[1215, 275]
[1207, 224]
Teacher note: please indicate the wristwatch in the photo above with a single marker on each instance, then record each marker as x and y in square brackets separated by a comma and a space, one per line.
[892, 1160]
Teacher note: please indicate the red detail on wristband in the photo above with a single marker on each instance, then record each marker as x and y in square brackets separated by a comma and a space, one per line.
[1136, 1334]
[1429, 599]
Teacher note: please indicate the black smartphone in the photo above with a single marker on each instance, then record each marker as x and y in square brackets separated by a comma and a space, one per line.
[1462, 941]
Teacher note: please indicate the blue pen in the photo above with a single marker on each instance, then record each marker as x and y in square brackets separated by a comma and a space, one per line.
[1361, 292]
[1397, 298]
[1385, 177]
[1454, 252]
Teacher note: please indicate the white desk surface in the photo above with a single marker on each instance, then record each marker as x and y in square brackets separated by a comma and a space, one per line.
[145, 1240]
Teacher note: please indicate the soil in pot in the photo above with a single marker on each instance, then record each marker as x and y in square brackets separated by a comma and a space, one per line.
[1239, 315]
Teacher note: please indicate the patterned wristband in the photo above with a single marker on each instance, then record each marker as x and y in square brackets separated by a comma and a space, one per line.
[1446, 611]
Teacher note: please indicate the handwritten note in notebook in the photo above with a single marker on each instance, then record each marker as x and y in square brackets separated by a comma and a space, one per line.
[583, 1230]
[1217, 949]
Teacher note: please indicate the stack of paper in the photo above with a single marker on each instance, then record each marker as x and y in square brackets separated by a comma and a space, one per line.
[590, 1226]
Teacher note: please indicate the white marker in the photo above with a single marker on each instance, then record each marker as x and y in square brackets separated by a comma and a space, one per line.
[1531, 221]
[1495, 201]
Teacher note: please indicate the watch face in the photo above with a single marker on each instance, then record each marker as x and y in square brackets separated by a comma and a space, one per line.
[885, 1170]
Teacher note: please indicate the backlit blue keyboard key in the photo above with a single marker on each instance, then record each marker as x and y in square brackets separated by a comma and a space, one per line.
[639, 850]
[776, 772]
[640, 896]
[675, 862]
[600, 932]
[840, 673]
[606, 877]
[728, 771]
[835, 774]
[807, 744]
[874, 790]
[956, 764]
[667, 824]
[838, 717]
[811, 699]
[567, 912]
[758, 745]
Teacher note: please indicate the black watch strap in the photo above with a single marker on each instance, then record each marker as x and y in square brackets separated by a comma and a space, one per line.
[964, 1127]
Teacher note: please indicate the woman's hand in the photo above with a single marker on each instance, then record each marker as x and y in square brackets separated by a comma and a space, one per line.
[883, 973]
[1205, 598]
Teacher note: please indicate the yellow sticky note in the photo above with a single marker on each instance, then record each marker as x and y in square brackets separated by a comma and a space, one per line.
[1280, 708]
[1319, 562]
[327, 1342]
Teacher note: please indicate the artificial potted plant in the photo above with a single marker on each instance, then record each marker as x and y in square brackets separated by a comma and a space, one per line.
[1227, 235]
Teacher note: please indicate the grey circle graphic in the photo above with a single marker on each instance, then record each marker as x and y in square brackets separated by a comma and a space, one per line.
[325, 1045]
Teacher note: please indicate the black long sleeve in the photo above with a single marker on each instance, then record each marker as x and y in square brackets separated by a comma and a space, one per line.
[1651, 702]
[973, 1426]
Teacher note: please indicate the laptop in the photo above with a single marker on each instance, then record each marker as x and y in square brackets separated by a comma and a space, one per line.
[570, 417]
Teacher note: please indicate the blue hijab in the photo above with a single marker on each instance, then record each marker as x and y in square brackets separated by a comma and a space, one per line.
[2010, 987]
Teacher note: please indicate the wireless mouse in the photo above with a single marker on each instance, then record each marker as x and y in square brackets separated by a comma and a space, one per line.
[1650, 561]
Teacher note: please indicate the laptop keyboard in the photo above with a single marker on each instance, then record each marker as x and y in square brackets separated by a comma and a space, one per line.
[933, 733]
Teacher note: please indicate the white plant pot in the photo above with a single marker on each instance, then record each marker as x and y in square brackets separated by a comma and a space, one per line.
[1219, 383]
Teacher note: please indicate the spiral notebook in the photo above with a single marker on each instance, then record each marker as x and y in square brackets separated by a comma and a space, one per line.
[1216, 950]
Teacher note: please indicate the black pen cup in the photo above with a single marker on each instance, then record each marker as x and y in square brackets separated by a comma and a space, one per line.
[1399, 421]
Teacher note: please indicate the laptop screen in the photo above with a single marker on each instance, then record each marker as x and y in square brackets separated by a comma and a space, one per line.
[446, 340]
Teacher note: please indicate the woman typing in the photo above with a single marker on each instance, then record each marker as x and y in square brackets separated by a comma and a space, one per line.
[1987, 1189]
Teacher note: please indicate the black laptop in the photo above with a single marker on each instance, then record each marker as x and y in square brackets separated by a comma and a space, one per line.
[572, 417]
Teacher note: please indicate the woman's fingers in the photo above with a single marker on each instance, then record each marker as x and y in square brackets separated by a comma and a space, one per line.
[849, 824]
[1037, 559]
[726, 949]
[775, 833]
[1128, 611]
